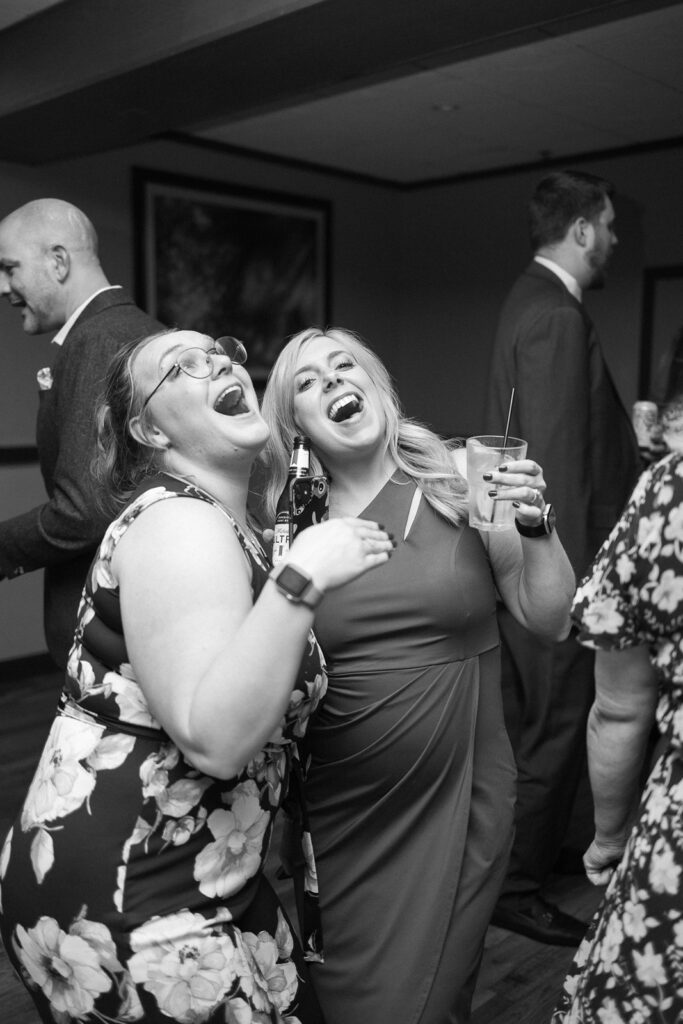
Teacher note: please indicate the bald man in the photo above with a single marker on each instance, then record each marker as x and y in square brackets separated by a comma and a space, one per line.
[50, 271]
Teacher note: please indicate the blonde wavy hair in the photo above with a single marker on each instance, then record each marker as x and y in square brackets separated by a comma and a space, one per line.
[420, 453]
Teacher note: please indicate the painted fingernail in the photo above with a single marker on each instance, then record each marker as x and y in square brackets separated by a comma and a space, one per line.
[390, 536]
[515, 504]
[487, 476]
[503, 468]
[492, 494]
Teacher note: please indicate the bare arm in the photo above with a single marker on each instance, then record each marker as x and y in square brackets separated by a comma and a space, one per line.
[619, 725]
[535, 581]
[216, 669]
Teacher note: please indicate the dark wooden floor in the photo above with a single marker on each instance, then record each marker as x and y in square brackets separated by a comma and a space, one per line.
[519, 981]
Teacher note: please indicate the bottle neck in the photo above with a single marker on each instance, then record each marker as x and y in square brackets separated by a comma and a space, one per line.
[300, 463]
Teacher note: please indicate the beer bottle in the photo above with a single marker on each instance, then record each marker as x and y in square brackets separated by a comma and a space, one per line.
[299, 465]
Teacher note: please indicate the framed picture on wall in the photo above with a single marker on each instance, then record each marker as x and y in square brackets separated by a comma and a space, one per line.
[662, 329]
[223, 259]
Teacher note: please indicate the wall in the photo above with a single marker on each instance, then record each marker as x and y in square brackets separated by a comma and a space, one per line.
[421, 274]
[463, 245]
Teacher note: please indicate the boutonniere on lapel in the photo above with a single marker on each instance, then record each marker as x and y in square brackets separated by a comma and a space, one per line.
[44, 378]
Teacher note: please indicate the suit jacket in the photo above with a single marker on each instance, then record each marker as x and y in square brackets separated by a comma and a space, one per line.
[566, 407]
[62, 534]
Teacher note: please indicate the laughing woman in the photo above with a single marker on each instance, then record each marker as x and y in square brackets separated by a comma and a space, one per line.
[411, 783]
[132, 882]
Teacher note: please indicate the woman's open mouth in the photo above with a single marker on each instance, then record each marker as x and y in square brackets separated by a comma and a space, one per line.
[345, 407]
[231, 401]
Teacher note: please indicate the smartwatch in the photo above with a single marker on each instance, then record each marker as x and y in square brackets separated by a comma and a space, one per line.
[541, 529]
[296, 585]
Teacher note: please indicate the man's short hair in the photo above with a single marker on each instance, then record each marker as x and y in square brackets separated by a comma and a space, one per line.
[561, 198]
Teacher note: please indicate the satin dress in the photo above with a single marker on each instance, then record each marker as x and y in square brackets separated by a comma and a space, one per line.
[410, 788]
[132, 883]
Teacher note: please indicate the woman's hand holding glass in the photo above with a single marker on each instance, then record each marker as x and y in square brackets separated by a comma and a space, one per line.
[522, 483]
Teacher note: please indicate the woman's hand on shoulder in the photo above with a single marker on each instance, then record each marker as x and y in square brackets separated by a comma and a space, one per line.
[339, 550]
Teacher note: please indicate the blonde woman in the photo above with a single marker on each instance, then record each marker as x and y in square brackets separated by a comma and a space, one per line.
[411, 779]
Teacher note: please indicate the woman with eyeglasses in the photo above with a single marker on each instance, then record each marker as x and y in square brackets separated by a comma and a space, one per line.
[410, 787]
[132, 881]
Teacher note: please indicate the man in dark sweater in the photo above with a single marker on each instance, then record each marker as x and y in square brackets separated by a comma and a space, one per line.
[50, 271]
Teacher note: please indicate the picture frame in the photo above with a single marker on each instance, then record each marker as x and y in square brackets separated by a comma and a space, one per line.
[661, 329]
[225, 259]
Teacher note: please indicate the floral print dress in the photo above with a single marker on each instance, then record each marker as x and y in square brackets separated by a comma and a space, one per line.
[629, 968]
[132, 884]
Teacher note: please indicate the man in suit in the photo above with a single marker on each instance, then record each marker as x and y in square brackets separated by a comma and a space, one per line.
[50, 271]
[567, 408]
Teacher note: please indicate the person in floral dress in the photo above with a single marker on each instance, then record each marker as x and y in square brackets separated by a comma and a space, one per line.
[132, 885]
[629, 968]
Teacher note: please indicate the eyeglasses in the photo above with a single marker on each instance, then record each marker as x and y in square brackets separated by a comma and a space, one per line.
[198, 362]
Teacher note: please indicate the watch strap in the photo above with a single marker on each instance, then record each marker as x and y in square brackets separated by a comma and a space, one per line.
[311, 595]
[543, 528]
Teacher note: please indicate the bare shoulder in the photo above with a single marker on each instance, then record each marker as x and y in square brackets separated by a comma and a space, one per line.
[179, 532]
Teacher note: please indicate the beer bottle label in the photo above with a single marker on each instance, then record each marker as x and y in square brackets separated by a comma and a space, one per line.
[281, 537]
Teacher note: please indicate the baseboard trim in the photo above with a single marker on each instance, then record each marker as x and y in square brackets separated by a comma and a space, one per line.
[22, 668]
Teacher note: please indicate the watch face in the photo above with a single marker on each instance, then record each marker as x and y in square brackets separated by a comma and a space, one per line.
[294, 582]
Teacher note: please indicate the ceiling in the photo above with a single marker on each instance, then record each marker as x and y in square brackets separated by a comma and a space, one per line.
[403, 91]
[610, 86]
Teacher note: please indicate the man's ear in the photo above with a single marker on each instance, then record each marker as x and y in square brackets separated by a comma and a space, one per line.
[149, 435]
[61, 262]
[581, 229]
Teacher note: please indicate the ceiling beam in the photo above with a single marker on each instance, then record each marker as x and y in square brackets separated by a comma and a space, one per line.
[80, 43]
[91, 75]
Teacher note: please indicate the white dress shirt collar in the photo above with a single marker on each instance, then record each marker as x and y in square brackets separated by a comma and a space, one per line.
[570, 282]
